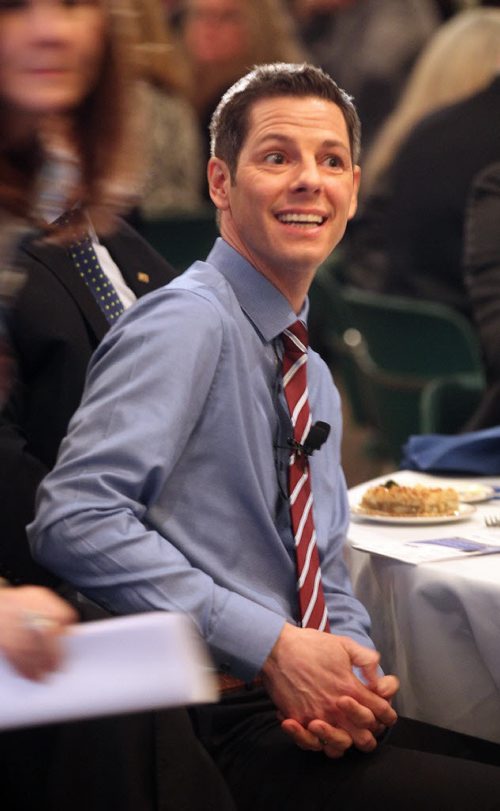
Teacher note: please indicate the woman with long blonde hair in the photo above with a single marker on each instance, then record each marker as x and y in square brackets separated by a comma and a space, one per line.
[461, 58]
[407, 236]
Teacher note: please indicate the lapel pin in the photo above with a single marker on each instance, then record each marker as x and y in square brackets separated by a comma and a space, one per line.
[143, 277]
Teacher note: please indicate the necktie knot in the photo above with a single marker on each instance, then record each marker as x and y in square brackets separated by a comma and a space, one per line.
[295, 340]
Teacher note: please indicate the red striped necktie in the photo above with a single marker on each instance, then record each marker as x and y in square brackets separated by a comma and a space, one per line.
[310, 589]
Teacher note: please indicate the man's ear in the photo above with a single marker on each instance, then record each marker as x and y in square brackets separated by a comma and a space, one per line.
[354, 198]
[219, 181]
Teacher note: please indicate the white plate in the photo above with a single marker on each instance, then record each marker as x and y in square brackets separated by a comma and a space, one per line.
[464, 511]
[474, 493]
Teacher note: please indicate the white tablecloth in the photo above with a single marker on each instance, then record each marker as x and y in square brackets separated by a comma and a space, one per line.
[437, 625]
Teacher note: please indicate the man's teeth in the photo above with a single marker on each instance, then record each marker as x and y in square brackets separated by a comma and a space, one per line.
[314, 219]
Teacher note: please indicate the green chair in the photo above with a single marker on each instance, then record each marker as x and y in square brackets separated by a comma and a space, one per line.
[447, 403]
[332, 335]
[182, 238]
[406, 344]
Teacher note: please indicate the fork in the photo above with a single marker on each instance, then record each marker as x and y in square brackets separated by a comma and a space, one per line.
[492, 520]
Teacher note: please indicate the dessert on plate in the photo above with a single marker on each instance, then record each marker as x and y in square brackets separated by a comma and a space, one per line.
[391, 498]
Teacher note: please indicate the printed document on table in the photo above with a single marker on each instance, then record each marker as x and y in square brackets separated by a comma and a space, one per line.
[112, 666]
[428, 550]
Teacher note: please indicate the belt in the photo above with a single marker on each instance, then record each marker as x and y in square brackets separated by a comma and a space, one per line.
[230, 684]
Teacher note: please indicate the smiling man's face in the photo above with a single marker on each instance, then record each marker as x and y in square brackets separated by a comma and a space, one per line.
[294, 189]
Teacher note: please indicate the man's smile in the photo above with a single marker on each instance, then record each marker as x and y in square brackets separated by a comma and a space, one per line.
[301, 219]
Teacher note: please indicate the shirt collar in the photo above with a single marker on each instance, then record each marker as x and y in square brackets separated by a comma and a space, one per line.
[262, 302]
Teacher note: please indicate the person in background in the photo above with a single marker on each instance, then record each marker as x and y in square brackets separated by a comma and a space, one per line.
[67, 144]
[175, 166]
[67, 167]
[219, 40]
[368, 46]
[482, 281]
[460, 59]
[228, 500]
[408, 236]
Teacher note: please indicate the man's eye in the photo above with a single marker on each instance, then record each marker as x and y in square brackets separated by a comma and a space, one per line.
[275, 158]
[334, 162]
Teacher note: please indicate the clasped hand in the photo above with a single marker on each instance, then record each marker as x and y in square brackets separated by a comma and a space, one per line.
[321, 703]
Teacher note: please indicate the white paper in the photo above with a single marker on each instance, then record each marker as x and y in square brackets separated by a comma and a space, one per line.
[427, 550]
[112, 666]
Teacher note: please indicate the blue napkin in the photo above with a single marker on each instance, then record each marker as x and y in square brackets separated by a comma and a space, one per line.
[474, 452]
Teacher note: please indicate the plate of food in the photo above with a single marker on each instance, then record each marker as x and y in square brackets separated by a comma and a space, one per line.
[391, 503]
[475, 493]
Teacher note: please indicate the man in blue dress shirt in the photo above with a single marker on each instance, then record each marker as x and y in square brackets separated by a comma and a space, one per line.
[171, 488]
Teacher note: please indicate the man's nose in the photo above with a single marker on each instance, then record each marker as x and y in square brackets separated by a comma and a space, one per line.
[307, 176]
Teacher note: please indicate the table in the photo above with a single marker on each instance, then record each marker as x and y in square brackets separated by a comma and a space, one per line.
[437, 625]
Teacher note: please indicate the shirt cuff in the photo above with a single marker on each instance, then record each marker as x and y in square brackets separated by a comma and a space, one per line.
[243, 636]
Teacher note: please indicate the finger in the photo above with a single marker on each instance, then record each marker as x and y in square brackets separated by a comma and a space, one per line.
[357, 714]
[43, 635]
[360, 656]
[362, 739]
[23, 663]
[332, 739]
[380, 707]
[27, 655]
[333, 753]
[367, 659]
[51, 651]
[387, 687]
[301, 736]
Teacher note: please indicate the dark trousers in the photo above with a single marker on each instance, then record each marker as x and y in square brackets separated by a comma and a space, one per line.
[140, 762]
[411, 769]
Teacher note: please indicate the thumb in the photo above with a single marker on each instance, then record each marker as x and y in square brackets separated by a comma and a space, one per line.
[365, 658]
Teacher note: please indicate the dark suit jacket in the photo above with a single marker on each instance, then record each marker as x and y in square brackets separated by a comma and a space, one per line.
[55, 325]
[482, 263]
[482, 278]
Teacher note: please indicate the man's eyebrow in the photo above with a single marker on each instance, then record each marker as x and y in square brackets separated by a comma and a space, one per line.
[279, 138]
[335, 143]
[275, 137]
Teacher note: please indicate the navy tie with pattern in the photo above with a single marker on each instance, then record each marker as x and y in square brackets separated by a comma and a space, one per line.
[87, 264]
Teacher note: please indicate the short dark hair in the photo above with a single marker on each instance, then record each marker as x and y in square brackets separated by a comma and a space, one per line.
[229, 124]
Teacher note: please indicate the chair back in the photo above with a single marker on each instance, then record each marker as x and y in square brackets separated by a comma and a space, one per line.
[331, 334]
[182, 238]
[406, 344]
[412, 336]
[447, 403]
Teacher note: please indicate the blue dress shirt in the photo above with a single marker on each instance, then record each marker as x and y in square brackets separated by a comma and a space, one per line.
[170, 488]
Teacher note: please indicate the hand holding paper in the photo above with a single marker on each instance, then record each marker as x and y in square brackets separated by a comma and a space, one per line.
[31, 621]
[111, 666]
